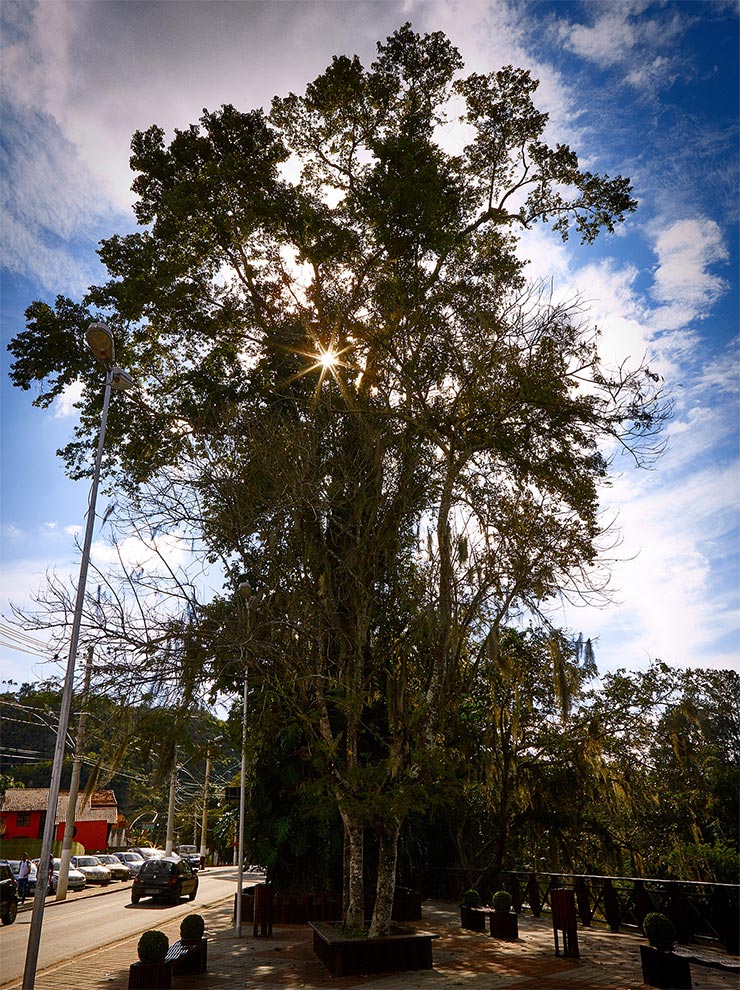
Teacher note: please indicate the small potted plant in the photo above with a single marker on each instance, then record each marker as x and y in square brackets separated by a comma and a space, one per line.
[192, 928]
[504, 923]
[195, 960]
[660, 967]
[470, 916]
[151, 972]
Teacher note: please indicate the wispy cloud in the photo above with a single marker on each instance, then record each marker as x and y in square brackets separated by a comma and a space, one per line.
[683, 283]
[625, 34]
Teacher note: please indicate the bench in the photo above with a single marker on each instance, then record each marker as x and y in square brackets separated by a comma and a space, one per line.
[563, 903]
[188, 957]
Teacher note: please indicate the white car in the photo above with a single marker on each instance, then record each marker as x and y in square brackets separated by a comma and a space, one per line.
[75, 879]
[93, 869]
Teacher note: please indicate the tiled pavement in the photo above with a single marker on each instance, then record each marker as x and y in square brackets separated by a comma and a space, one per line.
[462, 959]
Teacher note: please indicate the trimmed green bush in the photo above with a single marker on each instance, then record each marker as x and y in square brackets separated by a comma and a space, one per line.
[192, 928]
[659, 931]
[501, 901]
[152, 947]
[471, 898]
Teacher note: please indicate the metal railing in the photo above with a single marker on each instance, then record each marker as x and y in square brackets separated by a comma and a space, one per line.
[699, 911]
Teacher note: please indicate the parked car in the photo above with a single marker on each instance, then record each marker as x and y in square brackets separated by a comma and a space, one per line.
[191, 854]
[132, 861]
[148, 852]
[75, 878]
[93, 869]
[169, 878]
[8, 894]
[118, 870]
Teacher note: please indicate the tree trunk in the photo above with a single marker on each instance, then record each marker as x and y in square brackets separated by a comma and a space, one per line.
[354, 892]
[387, 857]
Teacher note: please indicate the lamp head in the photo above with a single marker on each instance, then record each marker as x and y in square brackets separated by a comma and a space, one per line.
[121, 380]
[100, 341]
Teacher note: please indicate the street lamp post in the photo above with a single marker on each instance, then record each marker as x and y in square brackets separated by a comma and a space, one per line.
[245, 590]
[100, 341]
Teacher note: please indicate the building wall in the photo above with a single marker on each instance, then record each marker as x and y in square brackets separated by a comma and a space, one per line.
[32, 830]
[93, 835]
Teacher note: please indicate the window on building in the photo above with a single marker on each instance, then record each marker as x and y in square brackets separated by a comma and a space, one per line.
[23, 819]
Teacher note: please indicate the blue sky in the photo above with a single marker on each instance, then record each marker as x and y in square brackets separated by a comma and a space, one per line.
[648, 90]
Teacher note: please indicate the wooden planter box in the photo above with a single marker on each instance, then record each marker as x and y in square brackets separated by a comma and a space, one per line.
[664, 970]
[504, 925]
[403, 949]
[473, 918]
[294, 909]
[150, 976]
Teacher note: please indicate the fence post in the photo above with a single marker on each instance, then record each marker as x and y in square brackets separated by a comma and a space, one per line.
[583, 896]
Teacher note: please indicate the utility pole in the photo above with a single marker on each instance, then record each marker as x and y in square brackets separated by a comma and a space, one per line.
[169, 842]
[204, 822]
[74, 786]
[242, 805]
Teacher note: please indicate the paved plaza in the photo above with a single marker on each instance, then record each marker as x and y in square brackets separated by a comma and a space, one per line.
[462, 959]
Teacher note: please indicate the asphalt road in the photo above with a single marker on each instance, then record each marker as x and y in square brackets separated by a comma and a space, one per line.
[84, 922]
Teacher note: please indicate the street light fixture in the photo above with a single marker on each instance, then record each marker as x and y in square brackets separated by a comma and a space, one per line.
[100, 341]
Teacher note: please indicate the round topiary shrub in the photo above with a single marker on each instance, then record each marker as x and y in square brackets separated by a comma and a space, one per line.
[659, 931]
[501, 901]
[152, 947]
[471, 898]
[192, 928]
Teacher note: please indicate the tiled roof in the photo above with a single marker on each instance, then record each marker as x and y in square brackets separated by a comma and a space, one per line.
[101, 807]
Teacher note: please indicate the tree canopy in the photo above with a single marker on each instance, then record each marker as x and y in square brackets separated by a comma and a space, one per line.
[349, 391]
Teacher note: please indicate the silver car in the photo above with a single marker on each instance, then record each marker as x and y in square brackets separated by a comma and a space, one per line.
[75, 879]
[132, 861]
[93, 869]
[118, 870]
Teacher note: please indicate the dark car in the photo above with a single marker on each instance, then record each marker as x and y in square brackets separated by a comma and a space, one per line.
[167, 878]
[8, 894]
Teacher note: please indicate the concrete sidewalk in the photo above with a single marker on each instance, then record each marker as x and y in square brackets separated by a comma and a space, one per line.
[462, 959]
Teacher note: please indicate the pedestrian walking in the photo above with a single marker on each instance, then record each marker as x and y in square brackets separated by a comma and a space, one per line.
[24, 872]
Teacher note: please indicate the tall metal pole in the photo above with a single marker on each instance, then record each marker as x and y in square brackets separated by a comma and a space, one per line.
[242, 807]
[74, 786]
[169, 841]
[42, 875]
[204, 822]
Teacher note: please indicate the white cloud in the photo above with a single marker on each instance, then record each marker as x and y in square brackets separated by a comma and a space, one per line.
[625, 35]
[161, 555]
[12, 533]
[64, 405]
[682, 283]
[676, 578]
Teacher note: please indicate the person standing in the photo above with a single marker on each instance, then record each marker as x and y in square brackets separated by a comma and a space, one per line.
[24, 872]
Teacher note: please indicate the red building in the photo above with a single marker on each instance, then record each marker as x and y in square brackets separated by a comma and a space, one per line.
[23, 816]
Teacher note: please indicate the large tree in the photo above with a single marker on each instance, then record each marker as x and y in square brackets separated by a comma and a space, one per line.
[358, 399]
